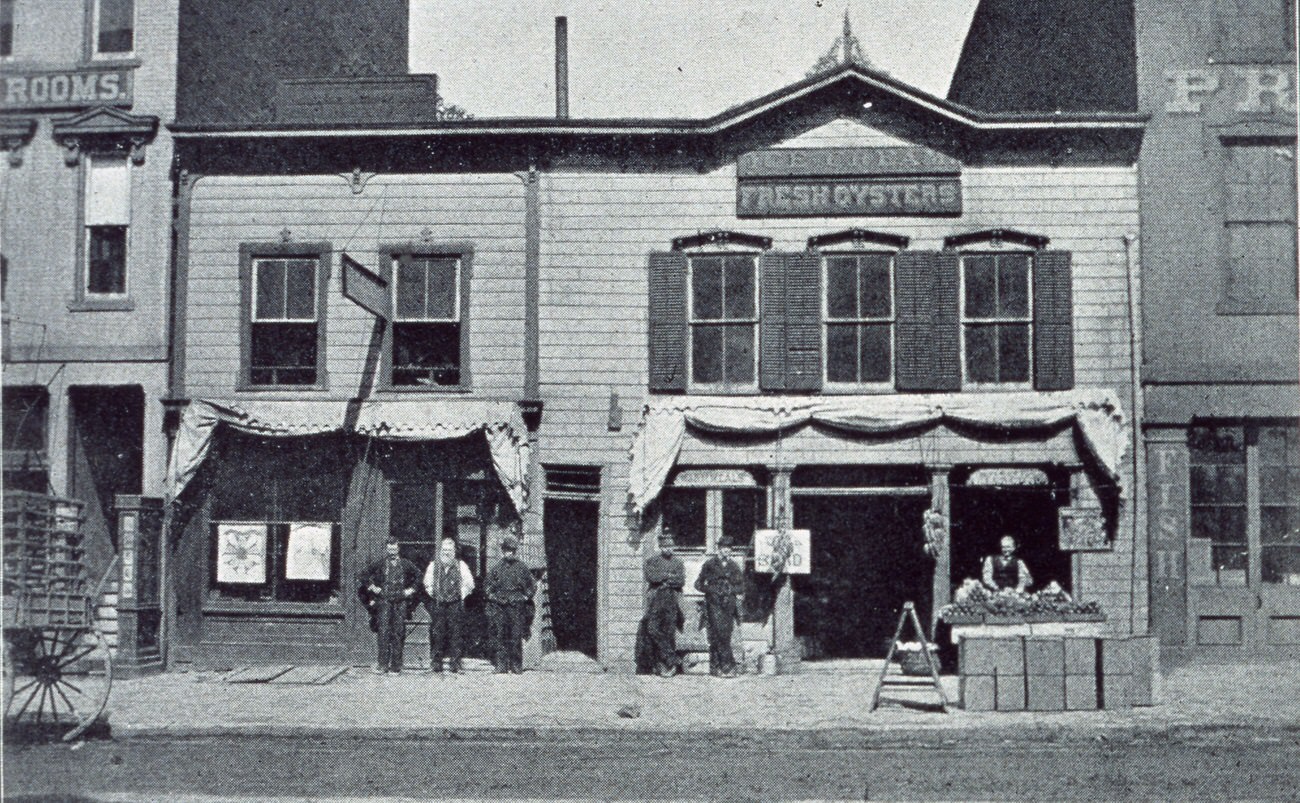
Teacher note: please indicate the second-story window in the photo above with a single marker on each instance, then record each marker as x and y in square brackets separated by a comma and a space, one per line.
[723, 317]
[996, 318]
[427, 325]
[114, 26]
[108, 218]
[6, 28]
[858, 315]
[283, 331]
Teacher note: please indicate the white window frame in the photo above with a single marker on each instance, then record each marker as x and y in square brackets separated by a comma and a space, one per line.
[87, 225]
[456, 289]
[827, 321]
[94, 33]
[692, 322]
[1028, 318]
[315, 290]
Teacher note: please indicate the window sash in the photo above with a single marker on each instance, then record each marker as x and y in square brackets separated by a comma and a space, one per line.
[728, 327]
[6, 28]
[108, 191]
[427, 293]
[284, 298]
[1004, 316]
[835, 327]
[114, 26]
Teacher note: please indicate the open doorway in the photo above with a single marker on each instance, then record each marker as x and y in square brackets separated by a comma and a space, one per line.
[571, 529]
[867, 560]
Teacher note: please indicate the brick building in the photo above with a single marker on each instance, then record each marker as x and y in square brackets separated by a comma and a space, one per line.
[1219, 318]
[837, 308]
[85, 244]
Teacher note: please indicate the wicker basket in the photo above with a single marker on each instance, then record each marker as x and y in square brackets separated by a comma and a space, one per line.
[913, 662]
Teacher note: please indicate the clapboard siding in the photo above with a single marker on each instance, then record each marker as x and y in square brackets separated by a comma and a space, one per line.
[486, 211]
[597, 233]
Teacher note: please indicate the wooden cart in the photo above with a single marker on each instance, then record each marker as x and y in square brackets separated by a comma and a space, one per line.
[57, 666]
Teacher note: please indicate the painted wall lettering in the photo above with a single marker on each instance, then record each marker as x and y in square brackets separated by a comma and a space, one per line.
[1251, 89]
[66, 89]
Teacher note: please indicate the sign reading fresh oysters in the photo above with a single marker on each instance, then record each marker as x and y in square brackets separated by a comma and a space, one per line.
[797, 182]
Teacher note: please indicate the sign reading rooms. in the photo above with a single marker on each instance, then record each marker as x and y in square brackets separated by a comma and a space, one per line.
[66, 89]
[794, 182]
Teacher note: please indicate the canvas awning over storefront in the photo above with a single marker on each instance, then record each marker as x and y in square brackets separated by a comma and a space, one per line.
[1095, 414]
[398, 420]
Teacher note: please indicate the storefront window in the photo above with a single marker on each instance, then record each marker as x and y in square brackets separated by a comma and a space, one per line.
[276, 512]
[724, 320]
[1279, 497]
[996, 319]
[859, 318]
[686, 516]
[1218, 499]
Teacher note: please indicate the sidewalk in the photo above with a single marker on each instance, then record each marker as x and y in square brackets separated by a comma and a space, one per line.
[537, 704]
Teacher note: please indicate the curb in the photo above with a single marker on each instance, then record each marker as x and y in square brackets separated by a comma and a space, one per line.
[866, 738]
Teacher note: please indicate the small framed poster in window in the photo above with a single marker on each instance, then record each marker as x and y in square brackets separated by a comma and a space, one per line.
[1082, 529]
[241, 553]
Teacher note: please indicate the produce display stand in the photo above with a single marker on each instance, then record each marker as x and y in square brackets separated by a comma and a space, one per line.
[57, 667]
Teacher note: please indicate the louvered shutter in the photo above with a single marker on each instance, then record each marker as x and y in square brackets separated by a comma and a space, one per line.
[771, 321]
[803, 321]
[668, 321]
[928, 345]
[1053, 321]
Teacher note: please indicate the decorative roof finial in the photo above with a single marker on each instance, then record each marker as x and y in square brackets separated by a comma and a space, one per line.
[845, 51]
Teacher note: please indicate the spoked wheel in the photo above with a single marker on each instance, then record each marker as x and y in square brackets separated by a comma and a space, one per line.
[61, 678]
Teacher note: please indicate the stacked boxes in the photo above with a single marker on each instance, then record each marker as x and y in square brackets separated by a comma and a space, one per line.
[1053, 673]
[1080, 674]
[1044, 674]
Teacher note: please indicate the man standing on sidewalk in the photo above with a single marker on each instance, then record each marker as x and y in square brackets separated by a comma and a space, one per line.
[509, 588]
[666, 575]
[391, 583]
[723, 583]
[448, 582]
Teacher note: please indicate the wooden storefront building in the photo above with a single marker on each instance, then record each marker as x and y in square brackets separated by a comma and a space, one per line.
[838, 307]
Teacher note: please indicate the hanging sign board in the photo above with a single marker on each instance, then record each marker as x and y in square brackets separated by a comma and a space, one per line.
[714, 478]
[1082, 529]
[365, 288]
[800, 560]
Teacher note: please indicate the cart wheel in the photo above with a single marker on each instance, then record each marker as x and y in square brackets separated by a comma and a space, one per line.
[62, 676]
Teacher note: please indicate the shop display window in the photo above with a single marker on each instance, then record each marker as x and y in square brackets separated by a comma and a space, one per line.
[723, 315]
[858, 315]
[107, 222]
[277, 506]
[1218, 497]
[1279, 499]
[26, 423]
[114, 26]
[427, 310]
[997, 320]
[285, 332]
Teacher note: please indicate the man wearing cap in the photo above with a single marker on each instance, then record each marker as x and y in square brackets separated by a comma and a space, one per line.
[509, 588]
[448, 581]
[723, 583]
[666, 575]
[390, 582]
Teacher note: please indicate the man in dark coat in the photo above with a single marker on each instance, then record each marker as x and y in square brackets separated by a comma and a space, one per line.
[390, 583]
[509, 589]
[665, 575]
[723, 583]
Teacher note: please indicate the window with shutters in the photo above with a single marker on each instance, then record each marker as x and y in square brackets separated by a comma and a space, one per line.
[723, 317]
[426, 348]
[858, 318]
[997, 319]
[283, 332]
[107, 218]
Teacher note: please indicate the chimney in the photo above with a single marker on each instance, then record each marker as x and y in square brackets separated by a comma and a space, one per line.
[562, 68]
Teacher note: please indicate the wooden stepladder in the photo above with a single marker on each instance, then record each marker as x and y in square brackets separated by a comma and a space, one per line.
[903, 681]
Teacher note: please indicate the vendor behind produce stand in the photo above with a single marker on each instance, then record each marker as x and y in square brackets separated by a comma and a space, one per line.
[1006, 570]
